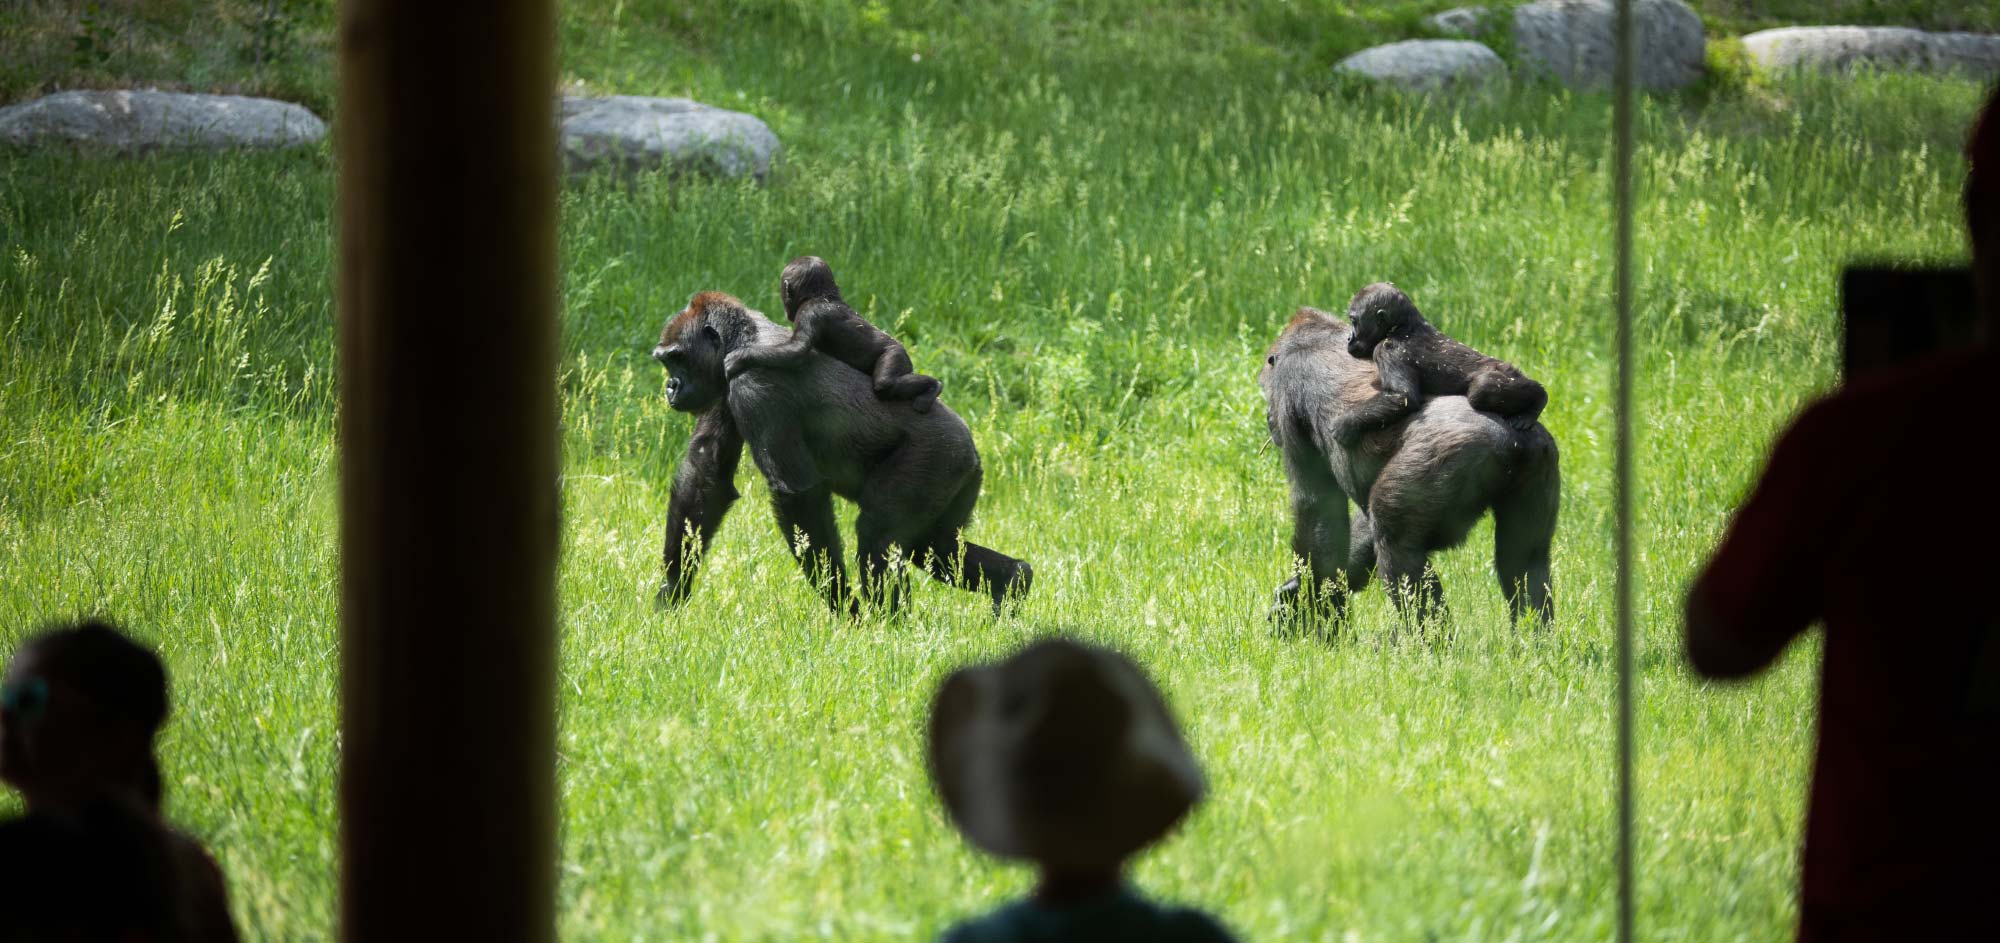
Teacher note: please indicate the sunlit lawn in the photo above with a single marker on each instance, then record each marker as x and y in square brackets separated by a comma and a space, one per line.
[1093, 261]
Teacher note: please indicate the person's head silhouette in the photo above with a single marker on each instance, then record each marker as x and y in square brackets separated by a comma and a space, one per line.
[1065, 756]
[78, 711]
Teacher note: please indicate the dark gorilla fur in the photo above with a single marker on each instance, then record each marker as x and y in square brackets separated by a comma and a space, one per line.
[1415, 360]
[822, 321]
[818, 431]
[1421, 483]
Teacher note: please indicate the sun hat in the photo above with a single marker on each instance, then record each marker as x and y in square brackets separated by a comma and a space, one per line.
[1063, 754]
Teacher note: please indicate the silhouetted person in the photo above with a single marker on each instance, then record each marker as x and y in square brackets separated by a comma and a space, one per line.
[1064, 756]
[1877, 516]
[78, 711]
[102, 873]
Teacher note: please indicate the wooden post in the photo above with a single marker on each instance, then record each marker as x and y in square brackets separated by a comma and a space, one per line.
[1624, 58]
[446, 146]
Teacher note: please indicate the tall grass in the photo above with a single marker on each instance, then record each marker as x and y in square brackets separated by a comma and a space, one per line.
[1093, 258]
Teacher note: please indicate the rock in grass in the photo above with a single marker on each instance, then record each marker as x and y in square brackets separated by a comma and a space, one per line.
[1463, 21]
[1974, 54]
[130, 121]
[1571, 40]
[627, 132]
[1890, 48]
[1427, 65]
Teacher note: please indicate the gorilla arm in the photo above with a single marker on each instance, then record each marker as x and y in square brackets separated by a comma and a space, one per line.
[1400, 394]
[704, 488]
[801, 497]
[813, 319]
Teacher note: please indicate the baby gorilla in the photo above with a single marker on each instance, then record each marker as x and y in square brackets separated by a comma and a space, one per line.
[1414, 360]
[822, 321]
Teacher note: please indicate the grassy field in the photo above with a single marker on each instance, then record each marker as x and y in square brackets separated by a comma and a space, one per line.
[1092, 248]
[285, 48]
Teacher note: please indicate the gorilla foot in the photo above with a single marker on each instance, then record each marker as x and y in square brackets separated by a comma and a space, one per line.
[1014, 589]
[1284, 602]
[1320, 614]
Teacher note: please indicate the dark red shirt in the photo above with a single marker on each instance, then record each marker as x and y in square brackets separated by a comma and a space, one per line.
[1879, 516]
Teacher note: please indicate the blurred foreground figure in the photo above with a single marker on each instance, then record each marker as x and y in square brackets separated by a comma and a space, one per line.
[1878, 515]
[93, 860]
[1064, 756]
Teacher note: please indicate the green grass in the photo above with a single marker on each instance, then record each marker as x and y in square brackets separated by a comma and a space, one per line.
[285, 48]
[1092, 249]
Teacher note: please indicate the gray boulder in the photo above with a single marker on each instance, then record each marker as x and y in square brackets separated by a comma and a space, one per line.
[1427, 65]
[135, 121]
[1890, 48]
[627, 132]
[1974, 54]
[1463, 21]
[1571, 40]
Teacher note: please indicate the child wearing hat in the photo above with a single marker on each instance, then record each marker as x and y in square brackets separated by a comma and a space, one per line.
[1064, 756]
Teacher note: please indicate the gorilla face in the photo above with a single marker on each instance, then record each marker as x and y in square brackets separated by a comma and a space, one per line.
[1376, 312]
[691, 350]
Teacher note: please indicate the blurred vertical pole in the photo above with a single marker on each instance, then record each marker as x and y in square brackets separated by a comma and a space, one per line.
[1621, 121]
[447, 147]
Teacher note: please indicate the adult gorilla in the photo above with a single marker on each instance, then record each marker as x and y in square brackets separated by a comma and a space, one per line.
[818, 431]
[1420, 483]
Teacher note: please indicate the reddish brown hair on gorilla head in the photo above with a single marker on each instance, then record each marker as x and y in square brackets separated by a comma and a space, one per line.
[1304, 316]
[702, 301]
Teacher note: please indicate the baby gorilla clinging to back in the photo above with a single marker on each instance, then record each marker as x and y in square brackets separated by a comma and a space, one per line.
[1415, 360]
[822, 321]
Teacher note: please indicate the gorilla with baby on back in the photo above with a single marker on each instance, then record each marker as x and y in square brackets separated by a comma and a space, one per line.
[1421, 473]
[822, 321]
[1414, 360]
[817, 428]
[833, 408]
